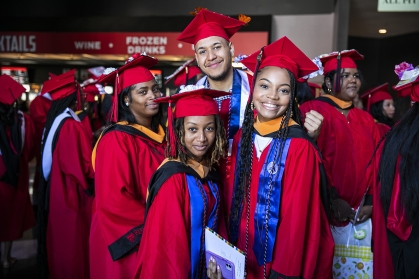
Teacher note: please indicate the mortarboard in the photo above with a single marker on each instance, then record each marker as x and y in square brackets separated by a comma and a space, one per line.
[92, 89]
[135, 70]
[10, 90]
[190, 101]
[96, 72]
[375, 95]
[340, 60]
[207, 23]
[183, 74]
[409, 82]
[61, 86]
[283, 54]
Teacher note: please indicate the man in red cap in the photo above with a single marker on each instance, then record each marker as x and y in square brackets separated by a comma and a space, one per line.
[66, 188]
[16, 150]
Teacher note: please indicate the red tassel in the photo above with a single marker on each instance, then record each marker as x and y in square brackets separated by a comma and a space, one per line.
[114, 110]
[78, 98]
[171, 137]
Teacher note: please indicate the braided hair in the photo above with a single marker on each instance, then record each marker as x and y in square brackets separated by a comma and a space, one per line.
[244, 163]
[10, 147]
[213, 155]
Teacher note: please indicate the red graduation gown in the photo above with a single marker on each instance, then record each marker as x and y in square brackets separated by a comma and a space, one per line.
[38, 112]
[69, 205]
[304, 243]
[347, 145]
[165, 247]
[382, 129]
[16, 213]
[123, 168]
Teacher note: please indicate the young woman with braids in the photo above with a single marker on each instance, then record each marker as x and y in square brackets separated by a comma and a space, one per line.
[124, 158]
[347, 141]
[396, 199]
[276, 213]
[16, 150]
[184, 196]
[66, 185]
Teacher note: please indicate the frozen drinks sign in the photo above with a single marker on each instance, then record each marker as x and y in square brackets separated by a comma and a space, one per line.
[153, 43]
[398, 5]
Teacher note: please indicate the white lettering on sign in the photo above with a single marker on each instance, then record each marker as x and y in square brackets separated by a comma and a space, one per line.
[398, 5]
[147, 49]
[87, 45]
[147, 44]
[17, 43]
[146, 40]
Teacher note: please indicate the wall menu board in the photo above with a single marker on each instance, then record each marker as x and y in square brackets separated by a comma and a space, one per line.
[19, 74]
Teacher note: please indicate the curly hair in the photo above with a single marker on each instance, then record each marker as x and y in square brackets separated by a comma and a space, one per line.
[217, 151]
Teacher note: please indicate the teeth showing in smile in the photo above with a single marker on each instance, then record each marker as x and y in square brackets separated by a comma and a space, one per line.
[270, 105]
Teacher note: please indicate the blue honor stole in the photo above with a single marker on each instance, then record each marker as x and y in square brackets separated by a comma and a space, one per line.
[196, 195]
[268, 206]
[235, 101]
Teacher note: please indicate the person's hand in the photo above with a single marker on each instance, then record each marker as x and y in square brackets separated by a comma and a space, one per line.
[214, 270]
[364, 213]
[345, 211]
[313, 124]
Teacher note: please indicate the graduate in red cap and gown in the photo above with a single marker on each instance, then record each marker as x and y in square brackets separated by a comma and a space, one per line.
[16, 150]
[347, 141]
[66, 187]
[379, 103]
[125, 157]
[278, 204]
[395, 212]
[185, 75]
[184, 196]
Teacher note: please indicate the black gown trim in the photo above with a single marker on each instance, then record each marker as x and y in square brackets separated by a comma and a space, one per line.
[330, 102]
[276, 275]
[127, 243]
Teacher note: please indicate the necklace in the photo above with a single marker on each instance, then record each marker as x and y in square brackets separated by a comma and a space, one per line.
[265, 143]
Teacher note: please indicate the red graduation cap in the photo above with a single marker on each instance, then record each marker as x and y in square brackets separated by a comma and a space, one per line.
[135, 70]
[375, 95]
[183, 73]
[194, 101]
[10, 90]
[61, 86]
[284, 54]
[51, 75]
[207, 23]
[340, 60]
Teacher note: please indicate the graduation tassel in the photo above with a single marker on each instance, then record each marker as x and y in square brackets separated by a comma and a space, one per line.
[338, 69]
[171, 137]
[114, 109]
[78, 98]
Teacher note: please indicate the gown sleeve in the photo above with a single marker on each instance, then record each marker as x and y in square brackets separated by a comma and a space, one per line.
[165, 249]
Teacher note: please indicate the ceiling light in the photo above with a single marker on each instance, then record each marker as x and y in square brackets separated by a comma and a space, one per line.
[382, 31]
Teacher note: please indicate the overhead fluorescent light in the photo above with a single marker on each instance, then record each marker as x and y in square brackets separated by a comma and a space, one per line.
[382, 31]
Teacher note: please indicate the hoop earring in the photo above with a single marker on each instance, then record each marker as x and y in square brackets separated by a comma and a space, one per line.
[329, 90]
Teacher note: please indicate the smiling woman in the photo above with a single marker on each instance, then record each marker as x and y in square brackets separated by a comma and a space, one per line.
[184, 196]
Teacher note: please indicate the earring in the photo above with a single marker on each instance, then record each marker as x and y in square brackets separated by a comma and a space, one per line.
[127, 104]
[252, 106]
[329, 90]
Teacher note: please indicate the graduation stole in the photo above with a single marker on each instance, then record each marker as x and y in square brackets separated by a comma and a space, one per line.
[269, 200]
[49, 141]
[234, 120]
[199, 204]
